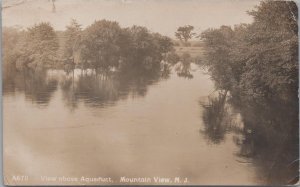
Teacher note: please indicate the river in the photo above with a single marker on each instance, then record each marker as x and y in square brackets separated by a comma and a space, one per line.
[79, 124]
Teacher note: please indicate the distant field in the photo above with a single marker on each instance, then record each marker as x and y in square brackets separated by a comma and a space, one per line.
[193, 51]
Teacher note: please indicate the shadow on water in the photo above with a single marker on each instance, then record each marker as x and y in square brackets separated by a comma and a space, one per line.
[215, 118]
[102, 89]
[266, 133]
[36, 85]
[183, 67]
[93, 88]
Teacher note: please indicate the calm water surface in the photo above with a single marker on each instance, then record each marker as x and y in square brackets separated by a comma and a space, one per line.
[80, 124]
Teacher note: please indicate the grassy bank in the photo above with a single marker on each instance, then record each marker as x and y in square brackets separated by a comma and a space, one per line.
[193, 51]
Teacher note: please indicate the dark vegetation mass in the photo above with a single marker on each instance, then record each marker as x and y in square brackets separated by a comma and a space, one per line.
[104, 45]
[255, 68]
[258, 59]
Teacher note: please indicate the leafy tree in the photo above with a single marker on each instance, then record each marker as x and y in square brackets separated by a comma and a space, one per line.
[164, 43]
[40, 47]
[258, 59]
[258, 64]
[272, 51]
[100, 44]
[72, 37]
[185, 33]
[218, 44]
[142, 43]
[11, 38]
[146, 49]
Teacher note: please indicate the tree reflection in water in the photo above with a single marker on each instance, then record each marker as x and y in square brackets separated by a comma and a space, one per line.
[215, 118]
[94, 88]
[36, 85]
[183, 67]
[267, 134]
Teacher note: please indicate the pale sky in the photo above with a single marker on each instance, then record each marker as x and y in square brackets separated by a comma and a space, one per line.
[163, 16]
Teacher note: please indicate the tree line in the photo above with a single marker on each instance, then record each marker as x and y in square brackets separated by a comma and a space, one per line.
[102, 45]
[258, 59]
[257, 64]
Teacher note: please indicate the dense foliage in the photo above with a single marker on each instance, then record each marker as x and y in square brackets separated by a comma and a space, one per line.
[33, 48]
[104, 45]
[71, 46]
[184, 33]
[258, 59]
[258, 64]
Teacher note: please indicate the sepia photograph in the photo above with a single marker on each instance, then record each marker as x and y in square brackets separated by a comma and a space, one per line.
[150, 92]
